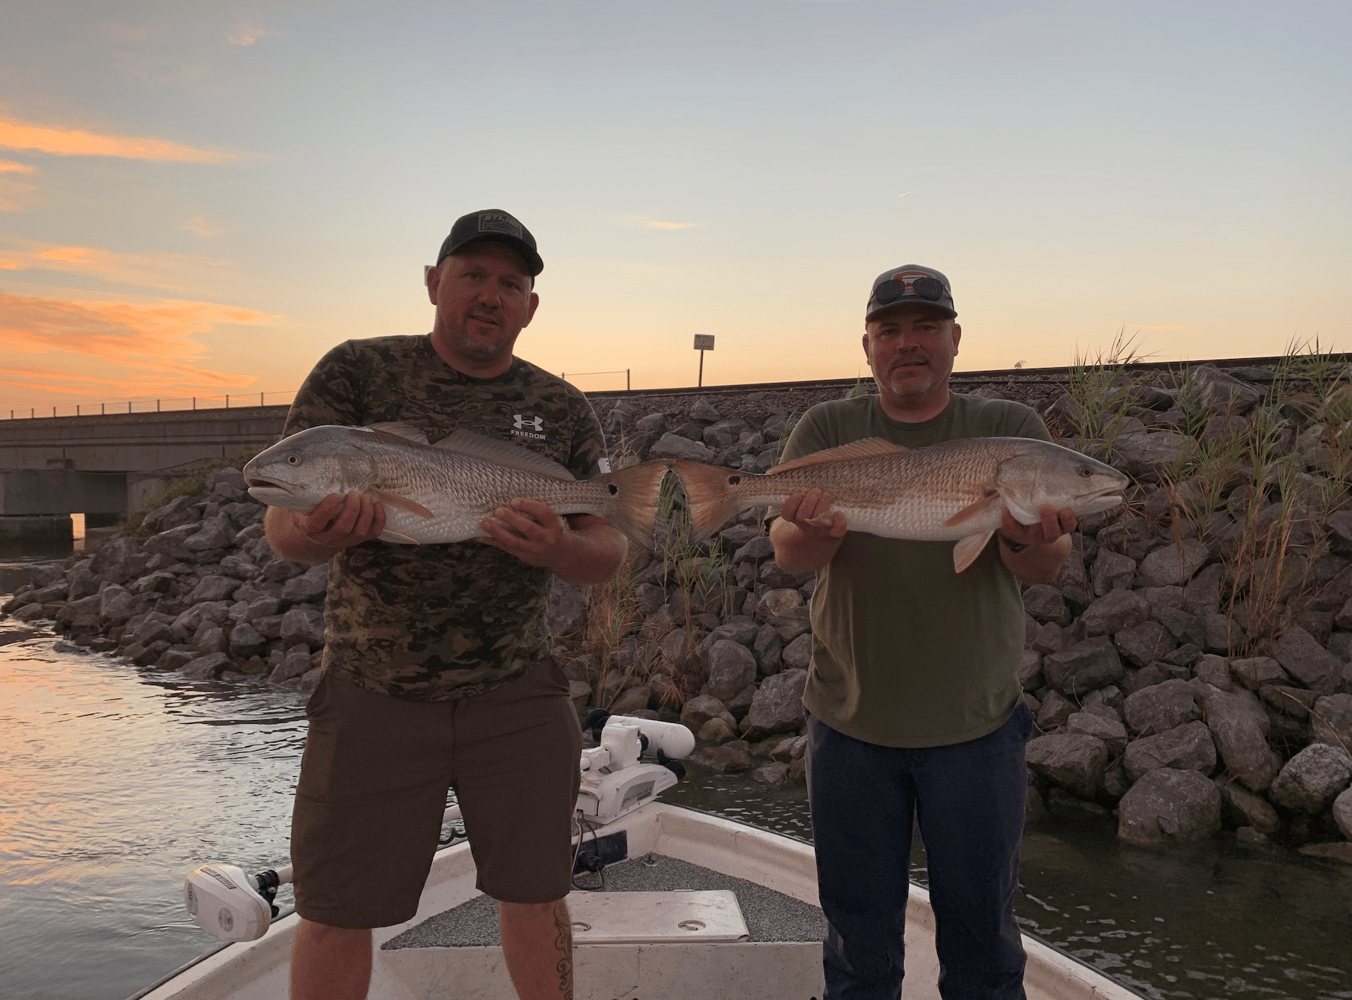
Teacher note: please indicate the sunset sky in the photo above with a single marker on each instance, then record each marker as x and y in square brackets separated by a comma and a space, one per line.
[199, 199]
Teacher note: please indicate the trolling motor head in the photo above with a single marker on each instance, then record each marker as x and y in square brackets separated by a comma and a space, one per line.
[614, 779]
[232, 905]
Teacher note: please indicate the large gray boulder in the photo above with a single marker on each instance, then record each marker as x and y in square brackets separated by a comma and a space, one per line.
[1331, 721]
[1239, 726]
[1312, 779]
[1301, 656]
[1169, 805]
[673, 445]
[303, 625]
[1115, 611]
[1161, 707]
[1187, 748]
[731, 668]
[309, 586]
[703, 707]
[1084, 666]
[1173, 565]
[1074, 761]
[777, 706]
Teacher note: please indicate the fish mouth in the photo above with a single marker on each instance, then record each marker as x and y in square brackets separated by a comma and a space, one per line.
[1105, 499]
[261, 487]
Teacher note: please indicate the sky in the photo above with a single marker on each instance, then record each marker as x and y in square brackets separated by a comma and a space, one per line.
[201, 199]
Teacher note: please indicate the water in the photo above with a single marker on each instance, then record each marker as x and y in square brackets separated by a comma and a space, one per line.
[118, 780]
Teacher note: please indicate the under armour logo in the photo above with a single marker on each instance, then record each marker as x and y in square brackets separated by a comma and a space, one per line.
[521, 423]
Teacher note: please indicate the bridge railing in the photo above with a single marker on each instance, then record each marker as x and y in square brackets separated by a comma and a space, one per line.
[149, 404]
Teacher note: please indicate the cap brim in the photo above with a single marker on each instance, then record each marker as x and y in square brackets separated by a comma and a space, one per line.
[911, 303]
[534, 263]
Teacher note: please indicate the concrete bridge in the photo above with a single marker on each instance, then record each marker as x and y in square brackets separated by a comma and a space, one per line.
[105, 466]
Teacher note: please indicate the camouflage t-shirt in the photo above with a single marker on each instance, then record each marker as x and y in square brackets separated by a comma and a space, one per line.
[444, 621]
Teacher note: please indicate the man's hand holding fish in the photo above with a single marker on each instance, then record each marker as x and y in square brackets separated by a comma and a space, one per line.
[1036, 552]
[338, 522]
[531, 531]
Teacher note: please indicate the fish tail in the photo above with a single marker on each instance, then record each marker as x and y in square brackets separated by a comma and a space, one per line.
[709, 496]
[633, 499]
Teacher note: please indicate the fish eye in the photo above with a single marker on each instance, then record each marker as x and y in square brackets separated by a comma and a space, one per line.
[1086, 472]
[293, 459]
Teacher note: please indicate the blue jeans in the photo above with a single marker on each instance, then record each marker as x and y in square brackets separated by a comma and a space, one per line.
[969, 799]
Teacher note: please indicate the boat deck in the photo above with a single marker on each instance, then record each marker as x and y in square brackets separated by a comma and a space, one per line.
[769, 915]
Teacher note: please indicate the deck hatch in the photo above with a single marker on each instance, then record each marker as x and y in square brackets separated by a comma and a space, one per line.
[657, 917]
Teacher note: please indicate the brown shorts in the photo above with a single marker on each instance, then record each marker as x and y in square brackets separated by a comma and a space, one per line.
[373, 784]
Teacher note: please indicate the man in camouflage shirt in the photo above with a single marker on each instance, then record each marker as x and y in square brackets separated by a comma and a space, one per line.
[436, 671]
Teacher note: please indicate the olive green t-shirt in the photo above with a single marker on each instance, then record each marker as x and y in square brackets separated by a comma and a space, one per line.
[443, 621]
[906, 652]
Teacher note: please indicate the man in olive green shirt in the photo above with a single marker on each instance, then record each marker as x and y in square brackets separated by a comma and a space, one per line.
[914, 709]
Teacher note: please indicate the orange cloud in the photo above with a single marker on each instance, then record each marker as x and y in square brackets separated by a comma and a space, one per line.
[134, 347]
[169, 271]
[247, 34]
[77, 142]
[15, 194]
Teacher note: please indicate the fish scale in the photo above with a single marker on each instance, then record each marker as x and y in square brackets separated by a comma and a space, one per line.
[440, 493]
[955, 490]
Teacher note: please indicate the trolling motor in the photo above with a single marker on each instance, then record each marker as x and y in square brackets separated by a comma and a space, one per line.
[232, 905]
[615, 780]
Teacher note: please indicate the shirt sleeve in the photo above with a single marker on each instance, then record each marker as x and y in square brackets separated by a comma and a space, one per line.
[1030, 425]
[333, 393]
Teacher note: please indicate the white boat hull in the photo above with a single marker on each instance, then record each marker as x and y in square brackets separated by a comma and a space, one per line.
[669, 970]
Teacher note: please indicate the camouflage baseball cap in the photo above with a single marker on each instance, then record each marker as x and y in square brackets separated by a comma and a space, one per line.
[910, 284]
[496, 225]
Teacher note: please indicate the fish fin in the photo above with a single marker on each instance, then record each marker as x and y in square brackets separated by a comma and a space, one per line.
[708, 495]
[398, 537]
[866, 448]
[503, 453]
[401, 503]
[972, 510]
[634, 499]
[968, 548]
[400, 429]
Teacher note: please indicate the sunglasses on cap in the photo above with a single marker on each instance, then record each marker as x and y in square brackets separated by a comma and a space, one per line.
[896, 289]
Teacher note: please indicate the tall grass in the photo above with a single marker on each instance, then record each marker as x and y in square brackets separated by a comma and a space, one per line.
[1100, 394]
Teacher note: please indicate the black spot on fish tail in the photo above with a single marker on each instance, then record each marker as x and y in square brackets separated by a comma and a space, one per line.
[613, 488]
[734, 480]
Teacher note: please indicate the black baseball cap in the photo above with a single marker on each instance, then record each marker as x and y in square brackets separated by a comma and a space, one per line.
[910, 284]
[496, 225]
